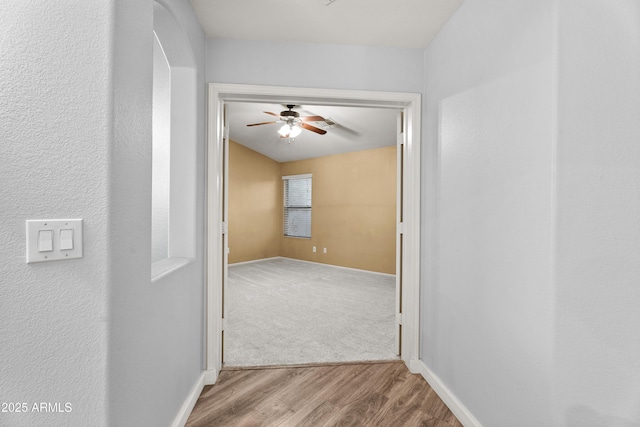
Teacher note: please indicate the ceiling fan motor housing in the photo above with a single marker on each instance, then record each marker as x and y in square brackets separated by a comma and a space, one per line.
[292, 118]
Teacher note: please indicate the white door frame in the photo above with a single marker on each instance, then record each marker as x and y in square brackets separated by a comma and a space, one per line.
[410, 103]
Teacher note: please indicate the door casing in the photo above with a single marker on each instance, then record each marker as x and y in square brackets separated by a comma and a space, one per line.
[409, 103]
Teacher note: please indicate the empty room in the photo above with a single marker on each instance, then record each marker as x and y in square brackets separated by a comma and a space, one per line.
[311, 235]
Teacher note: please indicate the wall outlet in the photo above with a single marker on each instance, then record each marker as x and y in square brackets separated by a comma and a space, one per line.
[324, 250]
[314, 249]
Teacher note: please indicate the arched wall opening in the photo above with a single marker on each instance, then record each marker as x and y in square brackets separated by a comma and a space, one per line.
[174, 146]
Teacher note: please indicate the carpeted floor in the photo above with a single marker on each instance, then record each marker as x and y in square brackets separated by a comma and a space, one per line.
[282, 311]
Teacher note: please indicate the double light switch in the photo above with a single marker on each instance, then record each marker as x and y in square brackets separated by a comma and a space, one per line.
[51, 240]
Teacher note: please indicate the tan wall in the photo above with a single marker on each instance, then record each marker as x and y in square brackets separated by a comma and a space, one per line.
[255, 206]
[353, 210]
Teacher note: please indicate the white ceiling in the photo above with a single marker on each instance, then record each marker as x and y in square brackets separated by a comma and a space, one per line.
[355, 129]
[390, 23]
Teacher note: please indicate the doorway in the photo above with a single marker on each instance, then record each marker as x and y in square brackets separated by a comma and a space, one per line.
[408, 229]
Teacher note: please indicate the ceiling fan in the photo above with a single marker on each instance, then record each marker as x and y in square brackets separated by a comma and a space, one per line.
[293, 123]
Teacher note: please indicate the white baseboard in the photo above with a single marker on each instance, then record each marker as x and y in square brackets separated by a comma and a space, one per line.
[339, 266]
[459, 410]
[189, 403]
[312, 262]
[254, 261]
[415, 366]
[210, 377]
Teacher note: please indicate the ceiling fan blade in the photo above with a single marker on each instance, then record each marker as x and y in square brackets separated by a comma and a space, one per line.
[312, 119]
[271, 114]
[348, 132]
[312, 128]
[263, 123]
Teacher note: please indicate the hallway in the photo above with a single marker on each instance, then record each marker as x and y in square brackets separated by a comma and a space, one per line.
[380, 394]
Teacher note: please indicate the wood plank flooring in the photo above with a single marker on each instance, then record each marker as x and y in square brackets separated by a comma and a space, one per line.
[369, 394]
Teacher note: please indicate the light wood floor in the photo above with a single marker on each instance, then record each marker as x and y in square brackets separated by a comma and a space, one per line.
[372, 394]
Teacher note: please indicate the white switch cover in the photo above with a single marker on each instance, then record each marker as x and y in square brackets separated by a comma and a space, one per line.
[45, 240]
[53, 239]
[66, 239]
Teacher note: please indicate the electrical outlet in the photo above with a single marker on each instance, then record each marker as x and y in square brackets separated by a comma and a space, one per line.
[314, 249]
[324, 250]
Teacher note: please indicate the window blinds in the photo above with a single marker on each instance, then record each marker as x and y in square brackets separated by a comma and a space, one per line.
[297, 206]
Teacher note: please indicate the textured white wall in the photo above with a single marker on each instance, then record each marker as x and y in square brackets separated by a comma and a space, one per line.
[487, 300]
[54, 150]
[76, 142]
[597, 345]
[315, 65]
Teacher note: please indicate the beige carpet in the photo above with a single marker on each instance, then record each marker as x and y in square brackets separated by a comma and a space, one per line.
[283, 311]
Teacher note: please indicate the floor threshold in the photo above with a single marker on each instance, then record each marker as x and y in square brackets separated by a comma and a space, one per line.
[308, 365]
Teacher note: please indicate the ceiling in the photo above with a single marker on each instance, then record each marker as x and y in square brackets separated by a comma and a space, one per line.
[354, 129]
[392, 23]
[386, 23]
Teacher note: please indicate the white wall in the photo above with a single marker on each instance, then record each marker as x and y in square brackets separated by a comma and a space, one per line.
[76, 143]
[314, 65]
[487, 295]
[530, 306]
[156, 334]
[597, 346]
[55, 112]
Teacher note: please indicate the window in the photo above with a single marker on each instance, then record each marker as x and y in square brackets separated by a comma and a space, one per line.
[297, 206]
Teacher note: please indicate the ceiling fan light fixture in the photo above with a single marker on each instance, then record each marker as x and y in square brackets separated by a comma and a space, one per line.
[284, 130]
[295, 131]
[293, 124]
[289, 131]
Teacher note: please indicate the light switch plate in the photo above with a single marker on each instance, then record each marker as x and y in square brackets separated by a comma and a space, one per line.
[56, 225]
